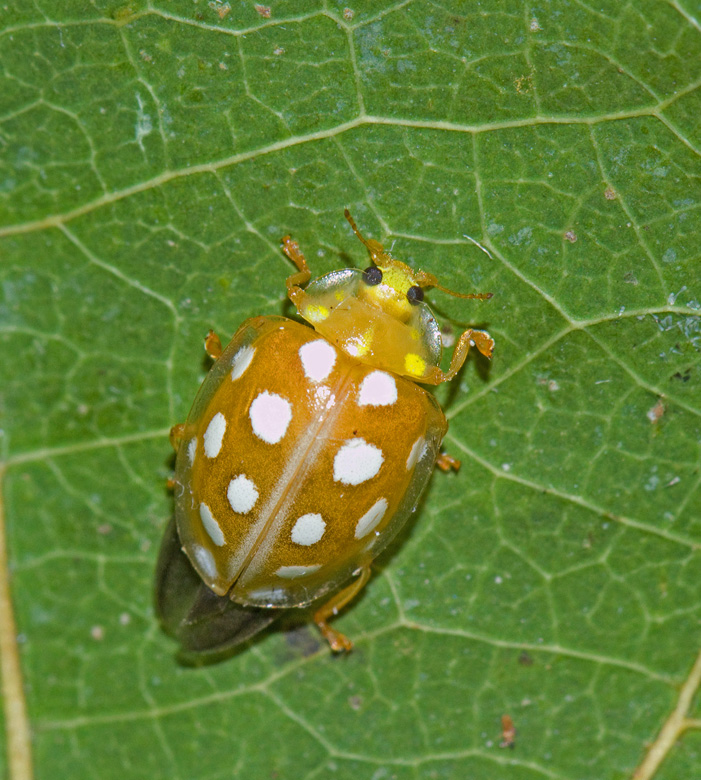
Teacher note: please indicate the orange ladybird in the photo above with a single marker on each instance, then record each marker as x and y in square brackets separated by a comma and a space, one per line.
[307, 449]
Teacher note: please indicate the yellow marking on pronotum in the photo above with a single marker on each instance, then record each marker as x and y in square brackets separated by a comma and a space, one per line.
[316, 313]
[414, 364]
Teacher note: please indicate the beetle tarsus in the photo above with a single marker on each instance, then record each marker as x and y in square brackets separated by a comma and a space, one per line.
[479, 339]
[294, 283]
[338, 641]
[212, 345]
[447, 462]
[177, 434]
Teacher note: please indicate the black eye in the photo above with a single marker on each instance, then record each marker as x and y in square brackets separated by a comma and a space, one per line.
[372, 275]
[415, 294]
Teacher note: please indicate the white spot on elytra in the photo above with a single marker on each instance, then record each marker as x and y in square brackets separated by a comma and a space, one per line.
[318, 359]
[377, 389]
[370, 520]
[242, 494]
[211, 526]
[308, 529]
[324, 397]
[291, 572]
[241, 361]
[356, 462]
[214, 435]
[191, 450]
[415, 454]
[205, 560]
[270, 415]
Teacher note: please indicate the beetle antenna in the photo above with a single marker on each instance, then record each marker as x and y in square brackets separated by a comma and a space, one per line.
[478, 296]
[427, 280]
[375, 248]
[350, 219]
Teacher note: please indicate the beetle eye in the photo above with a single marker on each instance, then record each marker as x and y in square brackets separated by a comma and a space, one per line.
[372, 275]
[415, 294]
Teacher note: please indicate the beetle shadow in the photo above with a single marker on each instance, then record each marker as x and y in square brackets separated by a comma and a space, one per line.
[207, 627]
[294, 624]
[198, 660]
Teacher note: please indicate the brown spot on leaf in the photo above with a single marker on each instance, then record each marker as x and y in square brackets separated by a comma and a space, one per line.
[656, 412]
[508, 732]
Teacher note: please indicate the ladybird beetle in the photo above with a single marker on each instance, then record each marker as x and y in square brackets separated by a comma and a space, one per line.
[307, 449]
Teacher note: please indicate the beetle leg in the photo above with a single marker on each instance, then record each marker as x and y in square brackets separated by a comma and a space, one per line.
[470, 338]
[447, 462]
[212, 345]
[295, 282]
[177, 434]
[338, 641]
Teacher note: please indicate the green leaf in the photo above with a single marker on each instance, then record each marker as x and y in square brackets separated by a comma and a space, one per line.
[152, 156]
